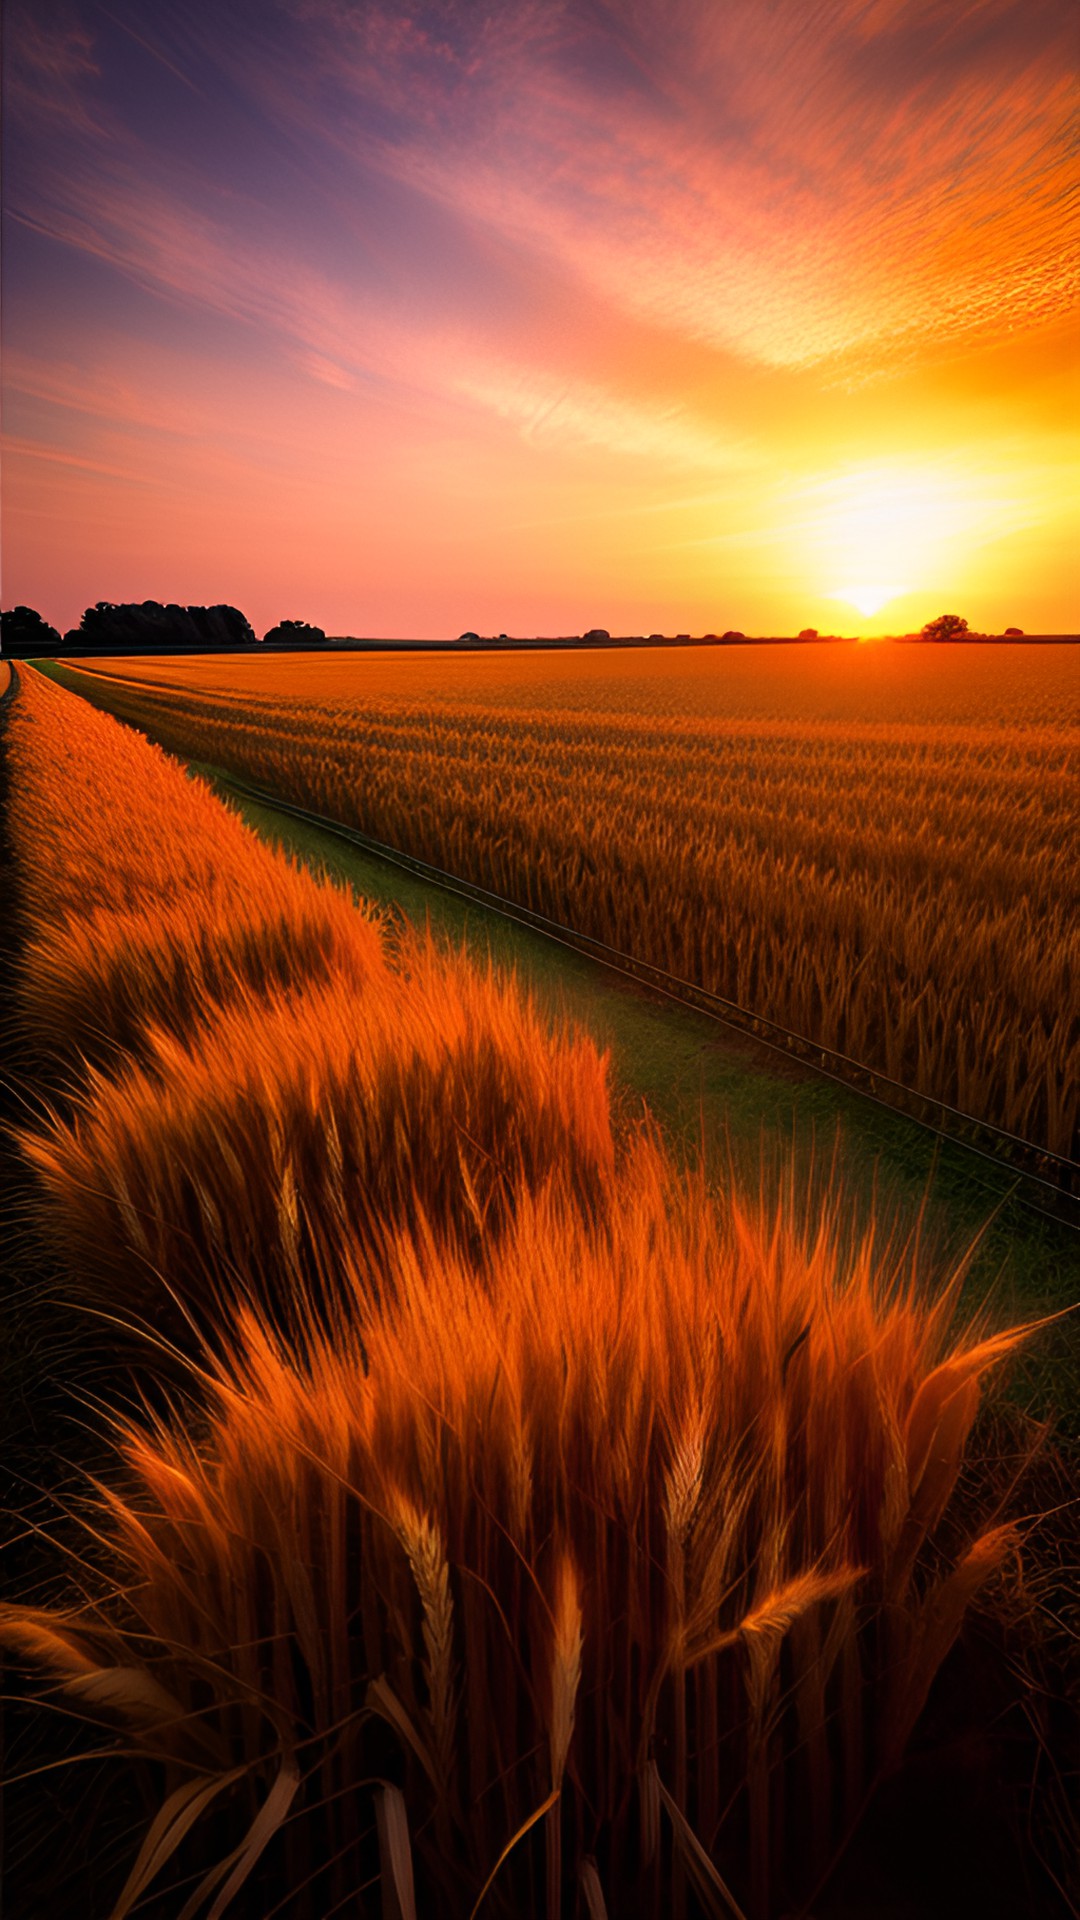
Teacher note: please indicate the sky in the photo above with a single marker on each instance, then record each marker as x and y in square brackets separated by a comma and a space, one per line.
[666, 315]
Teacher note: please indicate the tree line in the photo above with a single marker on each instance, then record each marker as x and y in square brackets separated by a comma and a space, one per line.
[147, 626]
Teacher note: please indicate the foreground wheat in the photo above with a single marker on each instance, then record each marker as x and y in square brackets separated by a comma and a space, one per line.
[249, 1076]
[589, 1533]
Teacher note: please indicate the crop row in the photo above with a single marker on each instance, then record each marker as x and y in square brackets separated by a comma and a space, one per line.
[903, 894]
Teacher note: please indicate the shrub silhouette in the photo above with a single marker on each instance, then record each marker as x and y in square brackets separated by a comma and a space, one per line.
[294, 633]
[947, 626]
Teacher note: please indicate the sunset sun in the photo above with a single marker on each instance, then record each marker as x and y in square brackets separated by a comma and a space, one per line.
[869, 599]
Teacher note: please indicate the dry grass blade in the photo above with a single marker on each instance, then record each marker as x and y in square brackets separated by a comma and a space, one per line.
[591, 1891]
[514, 1841]
[265, 1824]
[173, 1821]
[381, 1699]
[713, 1892]
[395, 1854]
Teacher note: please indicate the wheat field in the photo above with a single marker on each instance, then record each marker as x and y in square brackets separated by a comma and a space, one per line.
[873, 846]
[532, 1522]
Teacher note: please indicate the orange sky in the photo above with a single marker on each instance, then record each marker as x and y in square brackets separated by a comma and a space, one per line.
[672, 318]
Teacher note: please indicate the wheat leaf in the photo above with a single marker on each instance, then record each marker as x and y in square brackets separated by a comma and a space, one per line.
[593, 1892]
[395, 1854]
[545, 1807]
[700, 1870]
[261, 1831]
[382, 1699]
[174, 1818]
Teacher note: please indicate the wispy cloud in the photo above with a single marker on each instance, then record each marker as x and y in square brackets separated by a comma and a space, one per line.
[791, 182]
[49, 70]
[339, 336]
[16, 449]
[555, 415]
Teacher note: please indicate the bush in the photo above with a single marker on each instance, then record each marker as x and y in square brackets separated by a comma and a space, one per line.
[947, 626]
[294, 633]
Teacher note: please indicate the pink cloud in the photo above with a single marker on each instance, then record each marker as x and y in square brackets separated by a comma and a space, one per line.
[758, 182]
[48, 68]
[15, 449]
[337, 334]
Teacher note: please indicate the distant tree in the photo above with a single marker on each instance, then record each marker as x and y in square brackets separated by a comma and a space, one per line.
[294, 633]
[221, 626]
[731, 634]
[145, 626]
[808, 633]
[135, 626]
[1014, 633]
[467, 639]
[947, 626]
[23, 632]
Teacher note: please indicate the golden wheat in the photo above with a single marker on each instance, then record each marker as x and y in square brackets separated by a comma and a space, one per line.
[901, 889]
[345, 1548]
[214, 1009]
[578, 1526]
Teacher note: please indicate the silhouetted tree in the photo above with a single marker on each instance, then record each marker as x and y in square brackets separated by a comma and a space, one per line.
[24, 633]
[947, 626]
[223, 626]
[732, 634]
[148, 627]
[808, 633]
[294, 633]
[1014, 633]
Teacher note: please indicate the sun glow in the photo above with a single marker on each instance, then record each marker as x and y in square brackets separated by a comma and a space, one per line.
[868, 599]
[889, 531]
